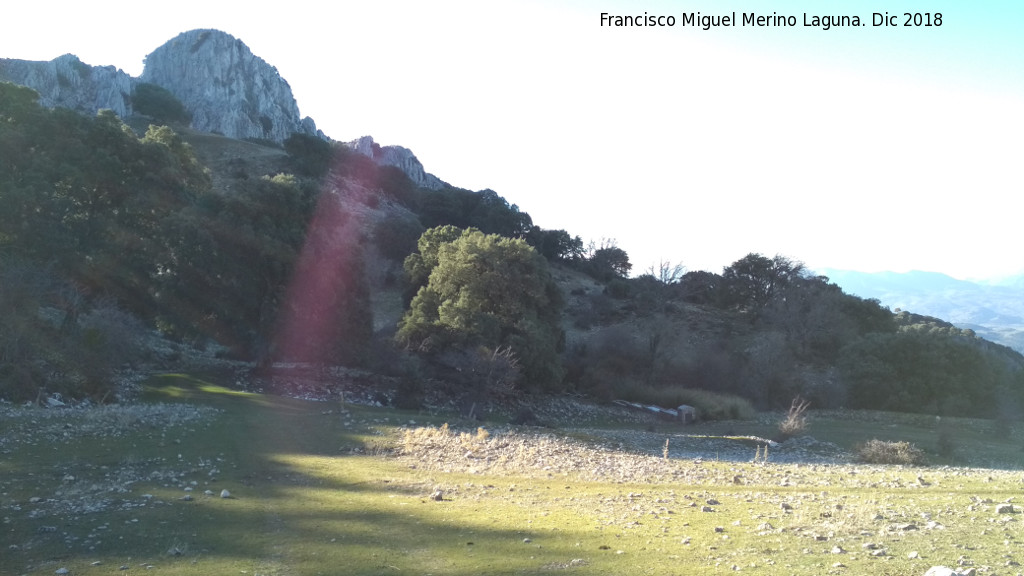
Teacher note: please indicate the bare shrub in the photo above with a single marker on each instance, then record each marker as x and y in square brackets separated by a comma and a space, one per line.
[795, 422]
[430, 439]
[876, 451]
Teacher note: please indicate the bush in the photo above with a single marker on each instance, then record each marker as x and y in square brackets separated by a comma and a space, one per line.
[397, 237]
[883, 452]
[795, 423]
[309, 155]
[160, 104]
[618, 288]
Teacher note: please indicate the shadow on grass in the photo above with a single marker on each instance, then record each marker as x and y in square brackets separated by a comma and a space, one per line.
[302, 501]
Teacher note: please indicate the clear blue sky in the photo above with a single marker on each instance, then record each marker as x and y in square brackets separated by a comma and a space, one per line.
[867, 148]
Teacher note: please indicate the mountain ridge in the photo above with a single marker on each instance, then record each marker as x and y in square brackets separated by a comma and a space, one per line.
[993, 310]
[226, 87]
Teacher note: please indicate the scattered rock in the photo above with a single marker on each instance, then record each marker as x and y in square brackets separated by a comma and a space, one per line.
[1005, 509]
[225, 494]
[437, 496]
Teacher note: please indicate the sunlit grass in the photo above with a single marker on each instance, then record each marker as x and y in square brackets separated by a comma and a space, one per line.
[186, 387]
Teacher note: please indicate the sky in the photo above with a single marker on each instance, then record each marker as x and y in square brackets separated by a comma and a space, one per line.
[863, 148]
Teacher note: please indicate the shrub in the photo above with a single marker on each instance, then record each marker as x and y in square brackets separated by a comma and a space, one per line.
[309, 155]
[160, 103]
[883, 452]
[397, 237]
[618, 288]
[795, 423]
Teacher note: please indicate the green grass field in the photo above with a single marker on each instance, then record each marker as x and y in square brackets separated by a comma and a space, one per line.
[319, 488]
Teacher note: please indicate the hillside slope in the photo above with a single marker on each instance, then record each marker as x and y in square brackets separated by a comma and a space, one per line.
[994, 311]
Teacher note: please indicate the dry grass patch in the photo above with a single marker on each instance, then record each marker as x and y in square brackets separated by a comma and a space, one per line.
[881, 452]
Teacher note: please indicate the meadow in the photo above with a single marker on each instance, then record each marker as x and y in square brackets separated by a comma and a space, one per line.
[200, 479]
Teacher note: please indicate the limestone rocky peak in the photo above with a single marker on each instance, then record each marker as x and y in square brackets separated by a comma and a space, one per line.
[399, 157]
[228, 90]
[226, 87]
[67, 82]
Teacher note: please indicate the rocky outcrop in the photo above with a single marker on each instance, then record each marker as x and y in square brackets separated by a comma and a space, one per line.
[399, 157]
[227, 88]
[67, 82]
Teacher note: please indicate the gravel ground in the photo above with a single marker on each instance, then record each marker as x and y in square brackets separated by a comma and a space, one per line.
[29, 425]
[638, 457]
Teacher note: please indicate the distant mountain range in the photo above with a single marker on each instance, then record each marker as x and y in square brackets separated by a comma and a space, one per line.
[995, 311]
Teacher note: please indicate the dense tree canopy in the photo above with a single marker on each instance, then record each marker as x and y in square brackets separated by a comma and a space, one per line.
[485, 290]
[136, 219]
[103, 233]
[753, 281]
[90, 197]
[158, 103]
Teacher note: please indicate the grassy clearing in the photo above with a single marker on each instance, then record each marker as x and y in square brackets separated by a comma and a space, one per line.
[317, 488]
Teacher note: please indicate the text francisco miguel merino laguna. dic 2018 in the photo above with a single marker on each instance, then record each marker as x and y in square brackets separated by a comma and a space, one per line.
[753, 19]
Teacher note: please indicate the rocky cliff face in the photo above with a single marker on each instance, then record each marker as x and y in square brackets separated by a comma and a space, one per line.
[227, 88]
[67, 82]
[399, 157]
